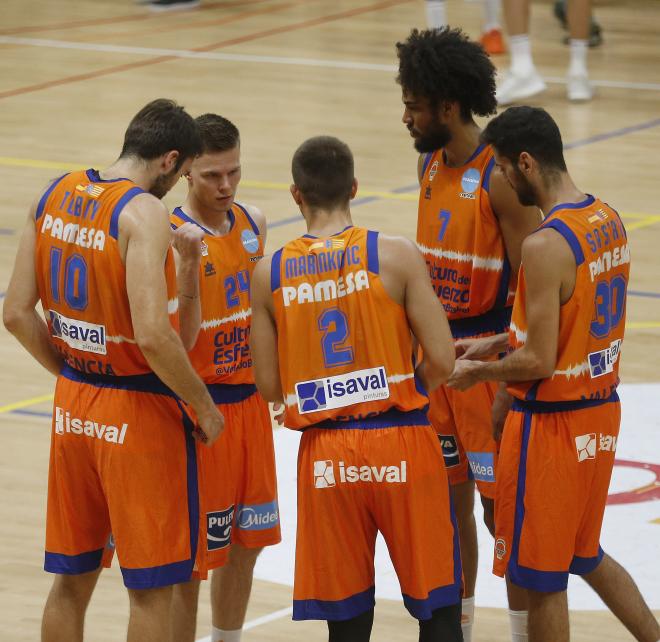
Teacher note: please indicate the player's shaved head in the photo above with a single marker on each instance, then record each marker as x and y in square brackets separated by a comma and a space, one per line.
[218, 134]
[323, 171]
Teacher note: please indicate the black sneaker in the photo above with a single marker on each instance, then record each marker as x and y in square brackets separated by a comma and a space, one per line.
[173, 5]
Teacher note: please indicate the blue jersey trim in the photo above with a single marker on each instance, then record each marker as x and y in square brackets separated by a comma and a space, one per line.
[73, 564]
[334, 610]
[121, 204]
[572, 206]
[276, 271]
[496, 321]
[544, 407]
[181, 214]
[138, 383]
[570, 237]
[94, 176]
[230, 393]
[391, 418]
[485, 181]
[42, 201]
[372, 252]
[255, 228]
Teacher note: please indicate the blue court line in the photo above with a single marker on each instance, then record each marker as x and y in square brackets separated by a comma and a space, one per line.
[31, 413]
[650, 295]
[615, 133]
[6, 230]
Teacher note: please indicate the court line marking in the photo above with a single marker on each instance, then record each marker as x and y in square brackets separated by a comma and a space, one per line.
[311, 22]
[133, 17]
[264, 619]
[273, 60]
[25, 403]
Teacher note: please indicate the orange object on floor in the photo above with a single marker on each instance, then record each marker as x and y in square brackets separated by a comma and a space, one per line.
[493, 42]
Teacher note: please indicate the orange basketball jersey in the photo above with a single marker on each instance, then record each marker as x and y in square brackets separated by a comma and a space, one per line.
[592, 321]
[345, 345]
[460, 238]
[82, 278]
[222, 352]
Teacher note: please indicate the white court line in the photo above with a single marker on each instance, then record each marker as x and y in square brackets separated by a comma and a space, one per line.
[264, 619]
[271, 60]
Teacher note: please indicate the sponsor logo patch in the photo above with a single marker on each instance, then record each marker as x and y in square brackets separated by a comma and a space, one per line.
[482, 466]
[450, 450]
[585, 445]
[65, 423]
[250, 241]
[342, 390]
[80, 335]
[218, 528]
[324, 474]
[470, 182]
[602, 362]
[257, 517]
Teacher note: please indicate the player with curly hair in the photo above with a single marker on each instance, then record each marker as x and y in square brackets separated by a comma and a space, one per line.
[470, 229]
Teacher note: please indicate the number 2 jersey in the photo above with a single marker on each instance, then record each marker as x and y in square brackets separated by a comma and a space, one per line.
[221, 353]
[81, 276]
[592, 321]
[345, 346]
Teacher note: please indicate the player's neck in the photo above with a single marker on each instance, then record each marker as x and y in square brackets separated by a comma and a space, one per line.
[463, 144]
[135, 171]
[327, 222]
[217, 222]
[559, 191]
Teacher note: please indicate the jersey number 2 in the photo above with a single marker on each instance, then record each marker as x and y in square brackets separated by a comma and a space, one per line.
[335, 327]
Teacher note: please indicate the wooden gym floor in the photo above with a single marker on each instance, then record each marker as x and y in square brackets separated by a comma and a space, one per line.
[73, 73]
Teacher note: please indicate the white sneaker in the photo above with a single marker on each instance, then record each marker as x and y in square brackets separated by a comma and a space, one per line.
[578, 88]
[515, 87]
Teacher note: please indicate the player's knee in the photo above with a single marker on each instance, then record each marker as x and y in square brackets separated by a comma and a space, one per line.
[150, 598]
[243, 557]
[445, 624]
[76, 589]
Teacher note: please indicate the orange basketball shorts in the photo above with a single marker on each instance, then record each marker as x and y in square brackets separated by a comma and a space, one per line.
[382, 474]
[237, 481]
[122, 475]
[463, 423]
[555, 466]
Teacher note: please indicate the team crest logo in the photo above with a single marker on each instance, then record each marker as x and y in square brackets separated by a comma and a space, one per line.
[434, 170]
[205, 249]
[500, 548]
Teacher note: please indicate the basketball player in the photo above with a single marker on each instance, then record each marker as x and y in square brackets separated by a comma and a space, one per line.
[469, 229]
[333, 313]
[219, 242]
[560, 437]
[96, 251]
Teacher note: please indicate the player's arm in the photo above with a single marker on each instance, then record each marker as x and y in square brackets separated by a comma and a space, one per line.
[426, 315]
[188, 253]
[482, 347]
[549, 263]
[144, 224]
[263, 335]
[19, 314]
[516, 221]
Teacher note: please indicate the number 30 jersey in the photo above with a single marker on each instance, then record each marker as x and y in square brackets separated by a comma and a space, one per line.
[345, 346]
[592, 321]
[81, 276]
[221, 353]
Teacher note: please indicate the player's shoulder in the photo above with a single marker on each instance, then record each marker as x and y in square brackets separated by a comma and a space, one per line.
[396, 251]
[254, 215]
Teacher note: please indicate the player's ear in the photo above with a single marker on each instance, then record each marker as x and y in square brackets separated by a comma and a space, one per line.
[354, 188]
[525, 163]
[295, 192]
[169, 161]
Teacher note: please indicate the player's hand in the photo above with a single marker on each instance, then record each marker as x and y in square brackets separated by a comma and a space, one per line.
[210, 424]
[278, 410]
[188, 241]
[474, 349]
[499, 411]
[464, 375]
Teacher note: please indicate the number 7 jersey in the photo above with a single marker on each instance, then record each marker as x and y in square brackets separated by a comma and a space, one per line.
[81, 276]
[345, 346]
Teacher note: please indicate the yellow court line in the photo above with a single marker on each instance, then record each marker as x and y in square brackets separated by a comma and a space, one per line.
[655, 521]
[26, 402]
[642, 325]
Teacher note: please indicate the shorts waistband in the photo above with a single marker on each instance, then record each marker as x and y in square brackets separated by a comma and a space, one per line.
[230, 393]
[148, 382]
[496, 321]
[522, 405]
[389, 419]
